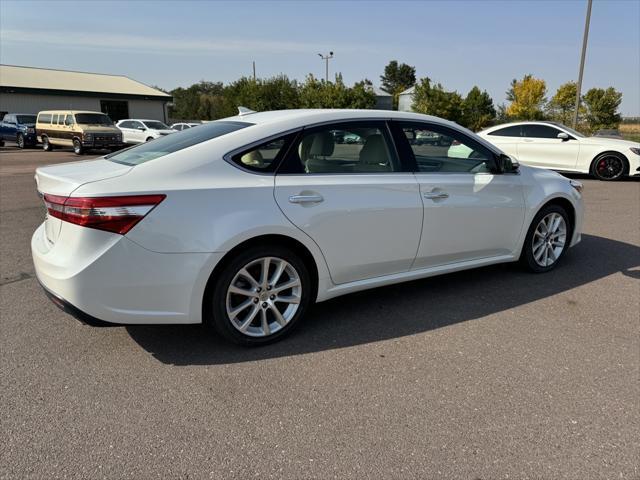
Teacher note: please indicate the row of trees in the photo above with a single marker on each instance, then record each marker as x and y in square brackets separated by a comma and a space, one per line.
[210, 101]
[527, 99]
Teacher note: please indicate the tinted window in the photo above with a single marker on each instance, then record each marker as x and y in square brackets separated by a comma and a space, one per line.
[69, 120]
[44, 118]
[346, 148]
[26, 118]
[175, 142]
[126, 124]
[539, 131]
[156, 125]
[439, 150]
[263, 158]
[93, 119]
[513, 131]
[61, 119]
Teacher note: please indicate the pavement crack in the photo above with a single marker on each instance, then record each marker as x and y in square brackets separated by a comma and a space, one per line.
[16, 278]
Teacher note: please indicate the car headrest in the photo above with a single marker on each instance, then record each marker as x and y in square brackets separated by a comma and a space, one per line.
[374, 151]
[322, 145]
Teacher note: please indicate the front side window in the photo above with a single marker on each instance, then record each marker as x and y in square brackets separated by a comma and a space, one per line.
[443, 150]
[512, 131]
[126, 124]
[69, 120]
[165, 145]
[156, 125]
[26, 119]
[93, 119]
[344, 148]
[539, 131]
[61, 119]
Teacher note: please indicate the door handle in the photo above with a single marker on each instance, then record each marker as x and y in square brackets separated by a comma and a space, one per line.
[435, 195]
[305, 199]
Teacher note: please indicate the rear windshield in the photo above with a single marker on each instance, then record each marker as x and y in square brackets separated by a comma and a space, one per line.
[26, 119]
[93, 119]
[176, 141]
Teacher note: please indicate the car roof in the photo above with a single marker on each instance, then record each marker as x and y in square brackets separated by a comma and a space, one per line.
[524, 122]
[70, 111]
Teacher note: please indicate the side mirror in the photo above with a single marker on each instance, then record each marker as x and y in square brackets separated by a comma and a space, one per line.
[506, 164]
[142, 129]
[563, 136]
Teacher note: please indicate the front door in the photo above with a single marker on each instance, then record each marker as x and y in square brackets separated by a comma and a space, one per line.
[470, 212]
[541, 147]
[344, 187]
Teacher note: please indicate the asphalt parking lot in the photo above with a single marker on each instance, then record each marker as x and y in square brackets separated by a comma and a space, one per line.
[492, 373]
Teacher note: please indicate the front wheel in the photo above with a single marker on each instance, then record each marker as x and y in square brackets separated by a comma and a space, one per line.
[609, 166]
[46, 145]
[77, 147]
[20, 140]
[260, 295]
[547, 239]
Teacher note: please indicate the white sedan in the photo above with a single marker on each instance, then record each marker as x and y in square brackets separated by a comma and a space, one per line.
[140, 131]
[557, 147]
[245, 222]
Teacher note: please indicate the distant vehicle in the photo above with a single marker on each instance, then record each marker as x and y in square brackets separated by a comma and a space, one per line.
[183, 126]
[19, 128]
[609, 133]
[557, 147]
[242, 223]
[81, 130]
[139, 131]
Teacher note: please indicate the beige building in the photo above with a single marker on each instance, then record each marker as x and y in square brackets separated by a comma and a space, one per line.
[30, 90]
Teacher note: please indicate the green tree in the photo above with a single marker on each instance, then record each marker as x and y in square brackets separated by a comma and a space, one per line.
[397, 78]
[562, 105]
[316, 93]
[528, 98]
[274, 93]
[200, 101]
[602, 108]
[477, 109]
[435, 100]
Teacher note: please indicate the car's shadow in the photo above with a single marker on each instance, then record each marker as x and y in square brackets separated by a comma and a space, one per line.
[402, 309]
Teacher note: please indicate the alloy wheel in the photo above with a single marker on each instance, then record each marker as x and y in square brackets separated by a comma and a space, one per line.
[263, 296]
[609, 167]
[549, 239]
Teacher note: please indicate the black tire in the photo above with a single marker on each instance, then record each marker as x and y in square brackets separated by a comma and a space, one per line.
[216, 295]
[77, 147]
[527, 258]
[149, 139]
[20, 141]
[1, 143]
[609, 166]
[46, 146]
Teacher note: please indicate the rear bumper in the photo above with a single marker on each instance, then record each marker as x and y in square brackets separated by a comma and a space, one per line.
[100, 277]
[75, 312]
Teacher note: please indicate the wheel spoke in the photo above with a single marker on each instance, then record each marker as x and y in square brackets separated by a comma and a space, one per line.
[266, 330]
[279, 318]
[282, 265]
[288, 299]
[286, 286]
[241, 291]
[264, 274]
[249, 319]
[551, 254]
[245, 274]
[234, 313]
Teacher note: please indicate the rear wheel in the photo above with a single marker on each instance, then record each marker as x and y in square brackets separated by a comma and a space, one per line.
[20, 140]
[609, 166]
[547, 239]
[260, 295]
[77, 146]
[46, 145]
[149, 139]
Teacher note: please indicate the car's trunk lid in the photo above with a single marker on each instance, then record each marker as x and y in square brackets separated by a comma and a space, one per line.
[61, 180]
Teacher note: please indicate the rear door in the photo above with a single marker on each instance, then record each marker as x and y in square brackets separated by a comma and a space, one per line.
[470, 212]
[129, 133]
[353, 198]
[541, 147]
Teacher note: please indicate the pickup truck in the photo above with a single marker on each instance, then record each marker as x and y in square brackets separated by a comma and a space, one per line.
[19, 128]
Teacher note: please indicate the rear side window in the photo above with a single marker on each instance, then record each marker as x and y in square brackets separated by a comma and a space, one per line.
[175, 142]
[263, 158]
[44, 118]
[539, 131]
[513, 131]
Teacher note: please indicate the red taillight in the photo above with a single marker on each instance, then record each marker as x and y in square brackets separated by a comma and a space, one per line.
[113, 214]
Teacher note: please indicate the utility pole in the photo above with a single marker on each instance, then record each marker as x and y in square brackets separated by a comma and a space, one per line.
[585, 37]
[254, 70]
[326, 58]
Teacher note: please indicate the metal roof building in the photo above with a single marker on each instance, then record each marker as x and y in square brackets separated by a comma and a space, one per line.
[405, 100]
[30, 90]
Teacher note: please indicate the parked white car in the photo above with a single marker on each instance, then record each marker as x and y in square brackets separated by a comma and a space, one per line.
[558, 147]
[140, 131]
[183, 126]
[243, 223]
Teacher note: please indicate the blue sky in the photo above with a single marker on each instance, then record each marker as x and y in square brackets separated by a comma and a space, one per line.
[457, 43]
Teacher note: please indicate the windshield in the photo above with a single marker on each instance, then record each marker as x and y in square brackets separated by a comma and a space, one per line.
[174, 142]
[155, 125]
[93, 119]
[26, 119]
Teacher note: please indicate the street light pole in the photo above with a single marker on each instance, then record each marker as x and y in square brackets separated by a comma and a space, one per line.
[585, 37]
[326, 58]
